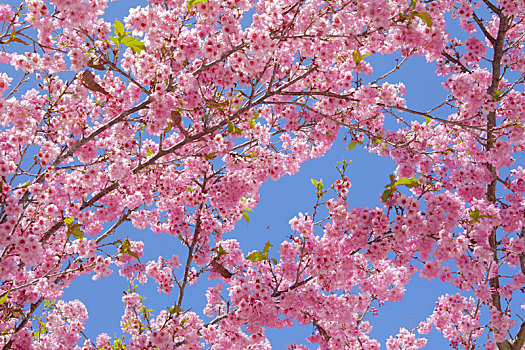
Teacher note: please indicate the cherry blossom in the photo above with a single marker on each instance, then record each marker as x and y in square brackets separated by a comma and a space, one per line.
[171, 119]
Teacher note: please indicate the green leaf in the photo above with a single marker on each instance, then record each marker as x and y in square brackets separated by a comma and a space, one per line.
[77, 233]
[351, 146]
[487, 216]
[425, 17]
[120, 31]
[69, 221]
[135, 44]
[246, 216]
[211, 155]
[358, 57]
[193, 2]
[318, 185]
[497, 95]
[233, 129]
[4, 298]
[117, 345]
[126, 245]
[13, 39]
[168, 128]
[474, 214]
[413, 3]
[150, 152]
[174, 309]
[125, 248]
[266, 249]
[408, 182]
[26, 184]
[256, 256]
[133, 254]
[427, 119]
[220, 251]
[386, 194]
[114, 39]
[49, 303]
[274, 261]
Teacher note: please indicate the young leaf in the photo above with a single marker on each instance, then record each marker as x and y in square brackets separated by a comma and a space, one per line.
[425, 17]
[174, 309]
[351, 146]
[150, 152]
[26, 184]
[220, 251]
[386, 194]
[114, 39]
[233, 129]
[13, 39]
[256, 256]
[474, 214]
[211, 155]
[193, 2]
[77, 233]
[125, 248]
[408, 182]
[497, 95]
[69, 221]
[168, 128]
[126, 245]
[266, 249]
[358, 57]
[120, 31]
[4, 298]
[246, 216]
[135, 44]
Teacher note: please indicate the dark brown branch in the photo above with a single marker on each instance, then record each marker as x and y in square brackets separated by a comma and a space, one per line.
[483, 29]
[294, 286]
[456, 61]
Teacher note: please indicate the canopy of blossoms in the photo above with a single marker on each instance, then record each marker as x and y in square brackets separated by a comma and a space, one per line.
[173, 118]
